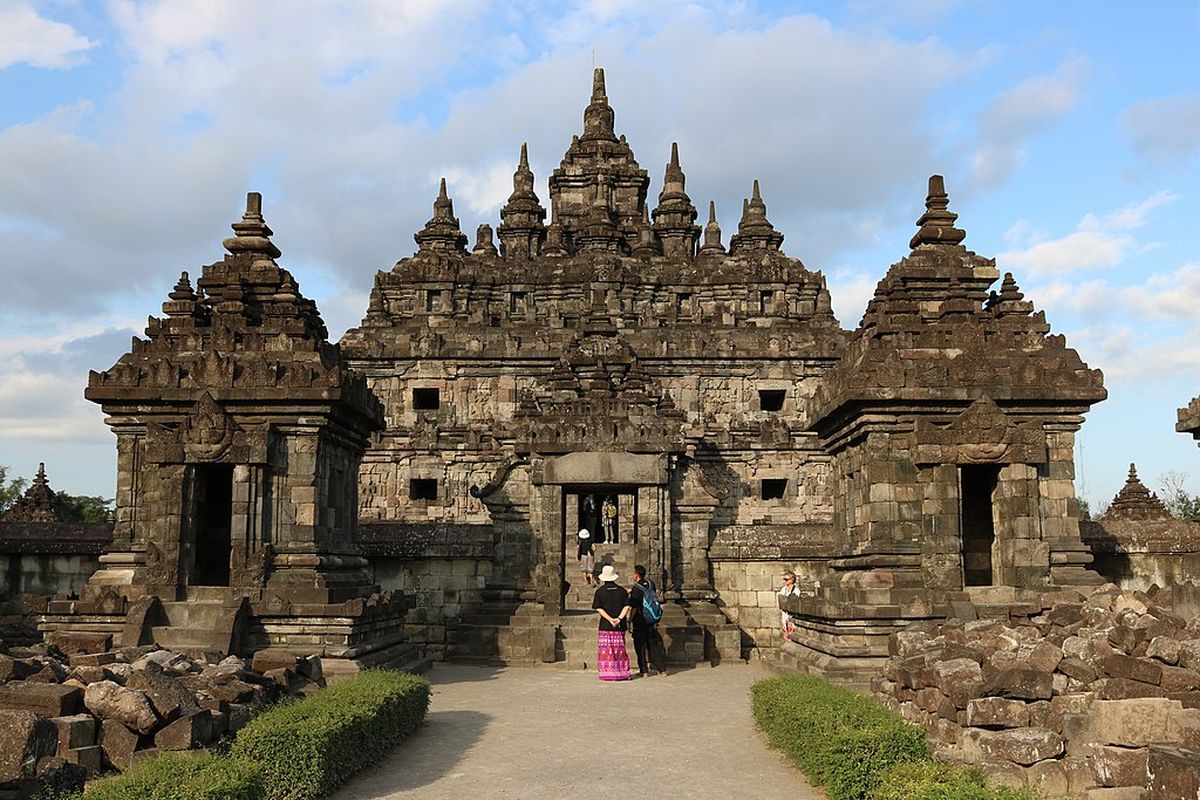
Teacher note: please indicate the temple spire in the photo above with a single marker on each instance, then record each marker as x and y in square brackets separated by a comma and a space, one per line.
[675, 216]
[252, 234]
[755, 231]
[522, 227]
[598, 117]
[442, 232]
[937, 223]
[712, 233]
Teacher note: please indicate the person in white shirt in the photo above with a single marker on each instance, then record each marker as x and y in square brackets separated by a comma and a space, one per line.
[789, 589]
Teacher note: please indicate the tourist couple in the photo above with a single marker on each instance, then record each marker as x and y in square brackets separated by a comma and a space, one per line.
[620, 608]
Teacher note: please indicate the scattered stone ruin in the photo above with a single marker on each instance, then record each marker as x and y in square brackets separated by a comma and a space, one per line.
[1091, 695]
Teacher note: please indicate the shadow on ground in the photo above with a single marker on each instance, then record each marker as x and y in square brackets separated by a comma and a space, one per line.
[431, 753]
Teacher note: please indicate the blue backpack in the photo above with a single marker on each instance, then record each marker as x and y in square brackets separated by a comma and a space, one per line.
[651, 607]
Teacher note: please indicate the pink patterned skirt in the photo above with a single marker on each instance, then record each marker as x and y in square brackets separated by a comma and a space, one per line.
[612, 661]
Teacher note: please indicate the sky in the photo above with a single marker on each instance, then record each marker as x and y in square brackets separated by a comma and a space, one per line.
[130, 131]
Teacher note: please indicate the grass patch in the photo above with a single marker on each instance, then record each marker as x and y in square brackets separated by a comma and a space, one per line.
[929, 780]
[854, 748]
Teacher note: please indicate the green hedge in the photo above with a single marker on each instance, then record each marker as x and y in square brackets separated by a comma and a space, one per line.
[198, 776]
[855, 748]
[308, 747]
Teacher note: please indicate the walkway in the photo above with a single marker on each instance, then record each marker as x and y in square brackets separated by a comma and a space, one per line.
[550, 733]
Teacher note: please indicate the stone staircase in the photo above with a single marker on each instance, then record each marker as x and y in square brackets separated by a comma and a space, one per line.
[206, 623]
[506, 632]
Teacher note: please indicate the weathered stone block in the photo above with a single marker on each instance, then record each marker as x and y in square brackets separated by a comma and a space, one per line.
[1020, 684]
[1119, 766]
[1044, 657]
[47, 699]
[1164, 648]
[108, 700]
[77, 730]
[1048, 778]
[25, 737]
[90, 758]
[1135, 669]
[1019, 745]
[959, 678]
[1179, 679]
[118, 744]
[166, 694]
[996, 712]
[1173, 772]
[1126, 689]
[73, 642]
[1132, 723]
[189, 731]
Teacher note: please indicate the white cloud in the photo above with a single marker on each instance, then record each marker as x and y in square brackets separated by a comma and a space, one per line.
[1165, 129]
[1098, 242]
[1013, 117]
[26, 37]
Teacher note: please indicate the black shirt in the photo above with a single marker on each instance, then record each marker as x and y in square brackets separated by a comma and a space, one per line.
[612, 599]
[585, 546]
[636, 596]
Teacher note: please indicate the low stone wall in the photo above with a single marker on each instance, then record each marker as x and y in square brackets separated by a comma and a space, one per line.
[1075, 697]
[1140, 553]
[747, 569]
[49, 558]
[442, 570]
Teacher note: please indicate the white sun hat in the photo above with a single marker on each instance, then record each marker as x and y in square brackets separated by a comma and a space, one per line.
[609, 573]
[583, 533]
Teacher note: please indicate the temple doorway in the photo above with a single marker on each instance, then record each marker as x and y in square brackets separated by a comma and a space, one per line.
[977, 488]
[213, 498]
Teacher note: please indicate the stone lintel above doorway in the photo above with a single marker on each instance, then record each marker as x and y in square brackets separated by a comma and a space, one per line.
[606, 468]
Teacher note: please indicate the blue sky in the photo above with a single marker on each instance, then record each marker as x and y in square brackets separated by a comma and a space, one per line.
[1069, 134]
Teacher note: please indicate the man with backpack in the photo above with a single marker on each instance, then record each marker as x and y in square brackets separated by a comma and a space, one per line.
[646, 613]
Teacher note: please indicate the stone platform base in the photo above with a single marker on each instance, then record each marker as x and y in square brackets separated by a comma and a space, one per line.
[512, 634]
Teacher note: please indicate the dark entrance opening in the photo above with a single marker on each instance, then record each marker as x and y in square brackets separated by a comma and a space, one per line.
[214, 524]
[977, 487]
[600, 513]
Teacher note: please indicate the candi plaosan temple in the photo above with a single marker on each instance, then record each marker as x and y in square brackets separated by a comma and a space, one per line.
[414, 491]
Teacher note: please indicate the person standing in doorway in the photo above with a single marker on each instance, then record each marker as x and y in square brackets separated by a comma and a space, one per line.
[612, 603]
[645, 611]
[789, 589]
[609, 512]
[586, 553]
[590, 520]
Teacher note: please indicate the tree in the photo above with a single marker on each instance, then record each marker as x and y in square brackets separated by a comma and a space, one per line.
[84, 509]
[1181, 503]
[1085, 510]
[10, 490]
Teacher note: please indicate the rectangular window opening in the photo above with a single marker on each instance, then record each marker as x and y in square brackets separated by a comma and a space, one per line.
[773, 488]
[764, 300]
[431, 300]
[426, 399]
[683, 304]
[771, 400]
[423, 489]
[517, 302]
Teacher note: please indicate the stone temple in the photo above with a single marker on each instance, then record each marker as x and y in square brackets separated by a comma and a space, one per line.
[421, 483]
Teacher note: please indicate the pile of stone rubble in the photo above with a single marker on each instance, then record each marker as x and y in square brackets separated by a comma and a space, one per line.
[74, 706]
[1094, 696]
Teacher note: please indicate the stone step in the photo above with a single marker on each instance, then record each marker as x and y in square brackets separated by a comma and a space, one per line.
[194, 615]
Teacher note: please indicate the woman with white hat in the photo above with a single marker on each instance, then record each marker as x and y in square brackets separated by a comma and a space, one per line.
[586, 553]
[612, 603]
